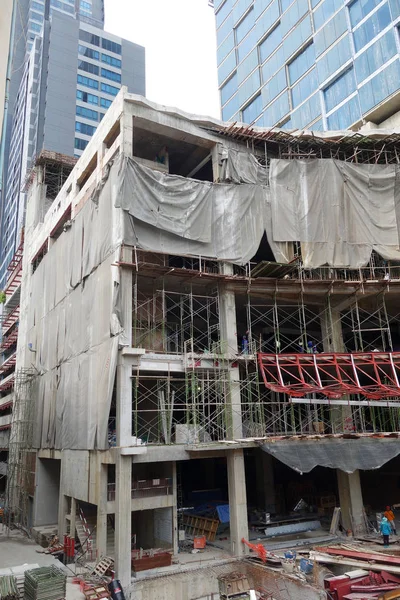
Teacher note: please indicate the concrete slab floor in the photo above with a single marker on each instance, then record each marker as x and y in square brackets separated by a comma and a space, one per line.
[16, 549]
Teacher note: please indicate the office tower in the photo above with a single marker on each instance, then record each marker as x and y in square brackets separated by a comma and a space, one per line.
[317, 64]
[70, 77]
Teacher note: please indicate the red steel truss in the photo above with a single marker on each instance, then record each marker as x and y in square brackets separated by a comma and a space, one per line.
[374, 375]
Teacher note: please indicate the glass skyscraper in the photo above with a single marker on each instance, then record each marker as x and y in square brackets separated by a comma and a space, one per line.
[66, 72]
[317, 64]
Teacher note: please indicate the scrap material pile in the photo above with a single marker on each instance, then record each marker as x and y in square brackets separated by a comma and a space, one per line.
[46, 583]
[8, 588]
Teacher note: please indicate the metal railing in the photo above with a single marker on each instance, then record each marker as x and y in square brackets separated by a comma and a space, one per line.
[145, 488]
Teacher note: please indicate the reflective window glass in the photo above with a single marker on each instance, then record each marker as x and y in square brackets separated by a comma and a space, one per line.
[301, 63]
[253, 110]
[377, 22]
[342, 87]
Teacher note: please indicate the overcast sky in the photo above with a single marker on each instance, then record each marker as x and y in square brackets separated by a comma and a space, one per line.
[179, 37]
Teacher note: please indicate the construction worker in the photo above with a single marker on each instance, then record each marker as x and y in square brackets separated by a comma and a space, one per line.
[389, 514]
[386, 530]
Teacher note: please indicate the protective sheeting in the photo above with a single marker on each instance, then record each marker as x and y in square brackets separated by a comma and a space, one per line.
[230, 228]
[344, 454]
[242, 167]
[339, 211]
[73, 327]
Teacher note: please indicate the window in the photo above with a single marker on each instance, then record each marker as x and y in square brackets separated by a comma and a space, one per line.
[109, 89]
[304, 88]
[229, 89]
[110, 60]
[346, 115]
[62, 6]
[270, 43]
[274, 87]
[80, 144]
[86, 97]
[111, 46]
[230, 108]
[267, 19]
[334, 59]
[105, 103]
[111, 75]
[84, 128]
[301, 63]
[293, 15]
[360, 9]
[307, 112]
[90, 38]
[85, 5]
[227, 67]
[244, 26]
[36, 17]
[223, 13]
[342, 87]
[276, 110]
[225, 28]
[81, 111]
[323, 12]
[370, 29]
[253, 110]
[35, 27]
[89, 52]
[384, 84]
[88, 82]
[375, 56]
[331, 32]
[37, 6]
[88, 67]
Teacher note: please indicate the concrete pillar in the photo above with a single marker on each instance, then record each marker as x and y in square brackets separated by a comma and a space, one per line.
[123, 519]
[227, 318]
[237, 501]
[127, 132]
[124, 404]
[175, 542]
[351, 501]
[101, 526]
[332, 340]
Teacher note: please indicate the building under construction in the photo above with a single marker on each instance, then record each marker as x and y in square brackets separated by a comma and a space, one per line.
[209, 314]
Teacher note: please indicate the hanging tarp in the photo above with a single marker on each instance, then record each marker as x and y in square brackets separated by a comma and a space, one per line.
[226, 221]
[339, 211]
[365, 453]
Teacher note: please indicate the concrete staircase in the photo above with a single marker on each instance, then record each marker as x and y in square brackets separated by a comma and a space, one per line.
[82, 529]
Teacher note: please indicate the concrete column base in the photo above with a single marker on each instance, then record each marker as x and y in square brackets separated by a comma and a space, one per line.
[123, 520]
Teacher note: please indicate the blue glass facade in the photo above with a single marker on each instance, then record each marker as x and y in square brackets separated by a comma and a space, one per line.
[320, 64]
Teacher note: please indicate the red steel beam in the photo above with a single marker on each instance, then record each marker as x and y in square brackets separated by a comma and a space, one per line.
[380, 558]
[375, 375]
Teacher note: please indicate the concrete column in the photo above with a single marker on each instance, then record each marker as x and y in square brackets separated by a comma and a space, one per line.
[72, 522]
[227, 317]
[127, 132]
[332, 340]
[175, 542]
[124, 404]
[123, 519]
[101, 526]
[237, 501]
[351, 501]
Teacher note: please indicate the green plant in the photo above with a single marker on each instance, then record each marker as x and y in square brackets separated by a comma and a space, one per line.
[2, 297]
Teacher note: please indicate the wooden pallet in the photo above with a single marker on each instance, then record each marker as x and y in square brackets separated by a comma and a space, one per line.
[197, 526]
[96, 592]
[102, 566]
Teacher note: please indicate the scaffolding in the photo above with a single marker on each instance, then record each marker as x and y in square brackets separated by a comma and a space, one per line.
[22, 457]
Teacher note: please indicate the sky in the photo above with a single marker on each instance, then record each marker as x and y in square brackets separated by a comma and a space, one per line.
[180, 41]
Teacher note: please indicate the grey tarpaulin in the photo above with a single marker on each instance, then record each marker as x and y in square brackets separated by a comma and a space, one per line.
[242, 167]
[230, 228]
[73, 327]
[339, 211]
[347, 455]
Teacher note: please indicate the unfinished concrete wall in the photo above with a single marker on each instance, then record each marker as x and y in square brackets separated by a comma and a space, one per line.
[75, 474]
[163, 527]
[45, 510]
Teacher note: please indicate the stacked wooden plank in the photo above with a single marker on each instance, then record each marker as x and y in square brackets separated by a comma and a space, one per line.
[198, 526]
